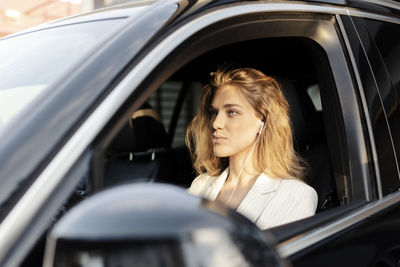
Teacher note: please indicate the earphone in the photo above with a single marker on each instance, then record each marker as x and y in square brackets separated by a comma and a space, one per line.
[261, 127]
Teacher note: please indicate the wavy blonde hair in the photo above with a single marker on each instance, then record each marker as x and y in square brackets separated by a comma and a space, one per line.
[275, 154]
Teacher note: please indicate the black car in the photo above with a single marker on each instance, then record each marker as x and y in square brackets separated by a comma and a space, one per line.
[104, 187]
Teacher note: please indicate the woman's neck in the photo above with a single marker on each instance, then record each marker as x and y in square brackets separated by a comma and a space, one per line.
[242, 169]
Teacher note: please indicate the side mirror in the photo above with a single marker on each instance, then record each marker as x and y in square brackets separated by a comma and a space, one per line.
[155, 225]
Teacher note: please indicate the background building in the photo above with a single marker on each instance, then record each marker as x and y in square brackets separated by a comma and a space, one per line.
[94, 4]
[16, 15]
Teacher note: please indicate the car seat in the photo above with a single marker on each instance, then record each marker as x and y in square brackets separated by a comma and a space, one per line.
[134, 149]
[310, 144]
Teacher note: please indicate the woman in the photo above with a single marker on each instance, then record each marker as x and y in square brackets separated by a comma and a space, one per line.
[241, 144]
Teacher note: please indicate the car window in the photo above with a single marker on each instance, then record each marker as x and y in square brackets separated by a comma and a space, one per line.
[135, 154]
[164, 101]
[375, 88]
[27, 70]
[315, 95]
[389, 49]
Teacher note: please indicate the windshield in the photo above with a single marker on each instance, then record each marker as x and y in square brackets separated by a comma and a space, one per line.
[31, 62]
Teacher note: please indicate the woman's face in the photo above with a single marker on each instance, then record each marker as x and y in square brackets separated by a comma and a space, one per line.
[234, 122]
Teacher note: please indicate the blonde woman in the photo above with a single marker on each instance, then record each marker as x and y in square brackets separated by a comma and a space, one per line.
[241, 145]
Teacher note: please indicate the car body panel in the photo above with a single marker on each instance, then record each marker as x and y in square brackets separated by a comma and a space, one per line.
[72, 96]
[372, 241]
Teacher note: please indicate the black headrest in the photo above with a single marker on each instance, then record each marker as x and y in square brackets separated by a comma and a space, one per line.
[143, 131]
[306, 124]
[149, 131]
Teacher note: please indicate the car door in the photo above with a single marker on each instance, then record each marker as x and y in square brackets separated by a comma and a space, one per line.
[372, 240]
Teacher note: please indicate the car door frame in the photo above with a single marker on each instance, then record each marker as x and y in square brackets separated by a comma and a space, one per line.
[347, 94]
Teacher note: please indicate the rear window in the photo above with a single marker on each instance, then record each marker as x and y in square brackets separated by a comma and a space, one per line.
[387, 39]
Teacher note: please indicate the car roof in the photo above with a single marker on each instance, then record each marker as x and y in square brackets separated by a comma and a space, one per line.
[383, 7]
[387, 7]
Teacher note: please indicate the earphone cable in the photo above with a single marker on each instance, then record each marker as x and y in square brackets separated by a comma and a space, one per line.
[241, 169]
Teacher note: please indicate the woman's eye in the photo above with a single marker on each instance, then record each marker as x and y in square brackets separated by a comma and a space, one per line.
[232, 112]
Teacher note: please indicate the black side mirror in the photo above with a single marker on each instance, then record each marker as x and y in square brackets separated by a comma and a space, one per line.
[155, 225]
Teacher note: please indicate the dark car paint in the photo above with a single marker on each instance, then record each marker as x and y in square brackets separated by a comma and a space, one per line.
[373, 242]
[81, 88]
[29, 249]
[114, 217]
[115, 58]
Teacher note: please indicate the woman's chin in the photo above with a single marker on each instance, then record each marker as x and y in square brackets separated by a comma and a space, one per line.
[221, 153]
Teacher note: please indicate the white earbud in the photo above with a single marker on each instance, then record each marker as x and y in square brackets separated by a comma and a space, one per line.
[261, 127]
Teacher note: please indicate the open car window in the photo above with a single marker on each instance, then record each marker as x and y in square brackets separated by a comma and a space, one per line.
[154, 150]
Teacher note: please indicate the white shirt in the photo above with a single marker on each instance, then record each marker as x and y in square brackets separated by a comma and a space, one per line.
[270, 201]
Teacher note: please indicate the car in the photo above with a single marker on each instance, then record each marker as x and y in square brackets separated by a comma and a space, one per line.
[94, 110]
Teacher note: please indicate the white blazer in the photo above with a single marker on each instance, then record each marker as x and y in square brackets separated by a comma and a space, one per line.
[270, 201]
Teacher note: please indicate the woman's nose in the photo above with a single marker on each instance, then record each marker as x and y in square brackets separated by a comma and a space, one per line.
[218, 122]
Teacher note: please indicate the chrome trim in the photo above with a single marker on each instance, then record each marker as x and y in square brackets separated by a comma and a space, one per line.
[385, 3]
[367, 15]
[12, 227]
[319, 234]
[365, 109]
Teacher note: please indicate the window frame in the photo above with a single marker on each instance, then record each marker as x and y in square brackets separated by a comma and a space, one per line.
[352, 125]
[346, 94]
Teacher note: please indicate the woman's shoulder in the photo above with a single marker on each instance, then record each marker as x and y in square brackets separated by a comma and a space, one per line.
[201, 178]
[199, 183]
[298, 188]
[293, 200]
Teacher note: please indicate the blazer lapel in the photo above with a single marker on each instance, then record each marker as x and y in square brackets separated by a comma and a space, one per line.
[216, 185]
[258, 197]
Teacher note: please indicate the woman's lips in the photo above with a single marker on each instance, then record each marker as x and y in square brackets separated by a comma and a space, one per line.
[216, 139]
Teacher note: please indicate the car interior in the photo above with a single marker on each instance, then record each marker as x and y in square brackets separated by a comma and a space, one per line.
[150, 146]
